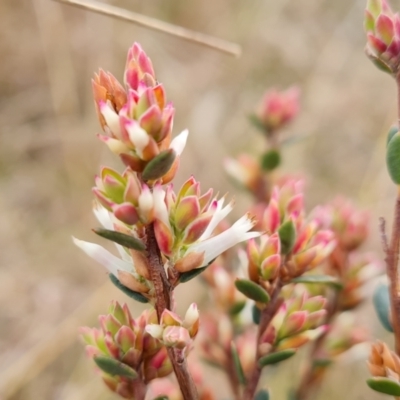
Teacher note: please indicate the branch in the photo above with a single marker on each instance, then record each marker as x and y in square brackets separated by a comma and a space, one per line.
[163, 292]
[384, 239]
[266, 316]
[202, 39]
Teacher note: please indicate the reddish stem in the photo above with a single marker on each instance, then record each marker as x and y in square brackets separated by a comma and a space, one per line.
[265, 319]
[163, 291]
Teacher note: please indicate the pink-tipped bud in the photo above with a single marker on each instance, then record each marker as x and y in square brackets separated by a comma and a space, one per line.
[278, 108]
[169, 318]
[176, 336]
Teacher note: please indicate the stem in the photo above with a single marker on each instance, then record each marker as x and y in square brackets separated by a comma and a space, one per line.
[232, 375]
[392, 256]
[265, 319]
[392, 260]
[163, 292]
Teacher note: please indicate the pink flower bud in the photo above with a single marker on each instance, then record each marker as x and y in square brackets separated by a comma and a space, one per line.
[176, 336]
[278, 108]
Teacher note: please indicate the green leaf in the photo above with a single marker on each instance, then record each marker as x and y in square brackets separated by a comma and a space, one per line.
[320, 279]
[381, 302]
[379, 63]
[384, 385]
[393, 158]
[256, 314]
[322, 362]
[262, 395]
[252, 290]
[114, 367]
[121, 238]
[287, 235]
[188, 276]
[270, 160]
[257, 123]
[392, 131]
[237, 308]
[277, 357]
[237, 364]
[159, 165]
[161, 398]
[132, 294]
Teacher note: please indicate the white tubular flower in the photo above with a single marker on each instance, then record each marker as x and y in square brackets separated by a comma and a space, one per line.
[219, 214]
[112, 263]
[216, 245]
[104, 257]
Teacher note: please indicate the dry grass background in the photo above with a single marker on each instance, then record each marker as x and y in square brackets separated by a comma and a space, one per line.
[49, 154]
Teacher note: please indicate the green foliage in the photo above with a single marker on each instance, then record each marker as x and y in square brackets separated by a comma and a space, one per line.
[238, 365]
[382, 306]
[121, 238]
[270, 160]
[319, 279]
[188, 276]
[113, 367]
[132, 294]
[256, 314]
[262, 395]
[159, 165]
[384, 385]
[252, 290]
[277, 357]
[287, 235]
[393, 158]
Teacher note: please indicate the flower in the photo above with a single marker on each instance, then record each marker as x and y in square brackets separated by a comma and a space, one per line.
[299, 320]
[123, 346]
[185, 225]
[131, 269]
[304, 240]
[383, 35]
[138, 121]
[278, 108]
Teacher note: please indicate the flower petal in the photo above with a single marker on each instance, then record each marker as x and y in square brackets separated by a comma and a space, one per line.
[216, 245]
[104, 257]
[179, 142]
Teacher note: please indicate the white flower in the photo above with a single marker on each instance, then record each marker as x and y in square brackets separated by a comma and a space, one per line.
[112, 263]
[179, 142]
[216, 245]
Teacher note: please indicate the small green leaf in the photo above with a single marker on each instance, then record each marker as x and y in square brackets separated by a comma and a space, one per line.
[321, 279]
[262, 395]
[384, 385]
[159, 165]
[188, 276]
[237, 308]
[121, 238]
[277, 357]
[161, 398]
[252, 290]
[393, 158]
[114, 367]
[322, 362]
[381, 302]
[132, 294]
[256, 314]
[237, 364]
[287, 235]
[270, 160]
[257, 123]
[392, 131]
[379, 63]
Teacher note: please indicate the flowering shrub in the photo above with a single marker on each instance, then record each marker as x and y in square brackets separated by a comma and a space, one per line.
[294, 280]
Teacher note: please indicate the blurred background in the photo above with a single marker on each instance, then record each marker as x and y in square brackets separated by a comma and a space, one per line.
[49, 154]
